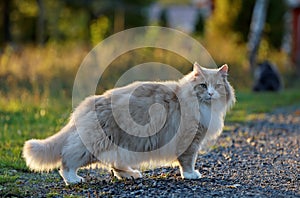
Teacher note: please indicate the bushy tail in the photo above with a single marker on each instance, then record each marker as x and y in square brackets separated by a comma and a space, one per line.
[45, 155]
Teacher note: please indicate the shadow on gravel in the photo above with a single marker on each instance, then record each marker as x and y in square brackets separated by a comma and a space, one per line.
[173, 187]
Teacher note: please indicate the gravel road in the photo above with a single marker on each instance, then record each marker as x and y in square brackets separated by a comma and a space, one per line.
[260, 158]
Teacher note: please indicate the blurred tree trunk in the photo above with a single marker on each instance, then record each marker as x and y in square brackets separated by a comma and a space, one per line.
[6, 21]
[119, 19]
[256, 29]
[40, 31]
[296, 38]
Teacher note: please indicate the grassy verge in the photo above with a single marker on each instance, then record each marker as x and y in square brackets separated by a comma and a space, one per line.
[251, 104]
[22, 120]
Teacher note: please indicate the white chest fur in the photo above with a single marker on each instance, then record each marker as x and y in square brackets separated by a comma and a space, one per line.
[205, 115]
[212, 118]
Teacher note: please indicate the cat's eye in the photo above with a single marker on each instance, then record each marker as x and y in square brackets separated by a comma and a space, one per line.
[203, 85]
[218, 86]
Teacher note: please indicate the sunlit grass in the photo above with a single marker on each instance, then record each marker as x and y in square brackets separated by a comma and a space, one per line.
[39, 71]
[251, 105]
[22, 120]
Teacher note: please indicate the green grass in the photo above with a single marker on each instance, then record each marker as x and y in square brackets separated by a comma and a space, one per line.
[7, 178]
[251, 104]
[20, 121]
[23, 120]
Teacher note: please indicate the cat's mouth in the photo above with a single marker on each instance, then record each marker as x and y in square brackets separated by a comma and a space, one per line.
[209, 98]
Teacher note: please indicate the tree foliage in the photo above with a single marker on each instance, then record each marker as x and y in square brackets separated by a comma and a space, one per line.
[224, 16]
[67, 20]
[233, 17]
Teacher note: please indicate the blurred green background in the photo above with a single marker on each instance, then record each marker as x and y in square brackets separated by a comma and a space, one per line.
[44, 41]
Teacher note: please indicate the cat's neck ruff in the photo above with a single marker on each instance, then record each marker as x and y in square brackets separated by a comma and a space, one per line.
[208, 111]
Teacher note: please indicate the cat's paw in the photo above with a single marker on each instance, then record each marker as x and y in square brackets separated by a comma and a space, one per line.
[136, 174]
[75, 180]
[191, 175]
[128, 174]
[70, 177]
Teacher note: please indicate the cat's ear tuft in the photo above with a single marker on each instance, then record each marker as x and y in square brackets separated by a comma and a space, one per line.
[197, 69]
[224, 70]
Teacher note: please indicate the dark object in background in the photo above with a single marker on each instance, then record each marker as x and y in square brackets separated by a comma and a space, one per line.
[266, 78]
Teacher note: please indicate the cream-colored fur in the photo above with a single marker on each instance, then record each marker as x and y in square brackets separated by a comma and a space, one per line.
[144, 123]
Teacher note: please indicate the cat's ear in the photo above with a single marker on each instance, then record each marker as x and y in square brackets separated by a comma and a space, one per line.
[224, 70]
[197, 70]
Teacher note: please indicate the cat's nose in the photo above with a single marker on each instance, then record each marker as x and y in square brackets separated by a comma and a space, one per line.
[210, 94]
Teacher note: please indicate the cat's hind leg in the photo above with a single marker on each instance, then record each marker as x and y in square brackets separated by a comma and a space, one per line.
[126, 172]
[70, 176]
[74, 156]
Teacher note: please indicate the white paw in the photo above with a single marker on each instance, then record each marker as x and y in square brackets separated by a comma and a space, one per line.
[192, 175]
[136, 174]
[128, 174]
[70, 177]
[76, 179]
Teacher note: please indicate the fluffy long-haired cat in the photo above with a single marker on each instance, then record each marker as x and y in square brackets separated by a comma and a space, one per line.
[144, 123]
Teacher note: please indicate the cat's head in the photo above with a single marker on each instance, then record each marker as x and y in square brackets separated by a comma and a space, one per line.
[211, 84]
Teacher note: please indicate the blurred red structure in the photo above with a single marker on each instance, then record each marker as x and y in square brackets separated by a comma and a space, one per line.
[295, 5]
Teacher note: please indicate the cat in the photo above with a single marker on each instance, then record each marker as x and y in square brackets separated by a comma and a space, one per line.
[165, 122]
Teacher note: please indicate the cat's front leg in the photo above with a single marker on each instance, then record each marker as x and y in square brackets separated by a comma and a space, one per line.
[187, 162]
[187, 168]
[191, 175]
